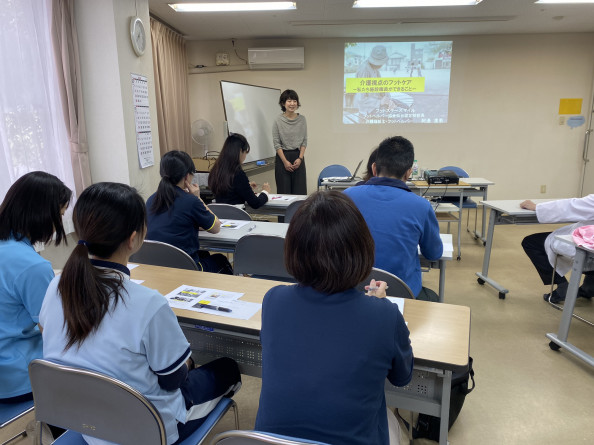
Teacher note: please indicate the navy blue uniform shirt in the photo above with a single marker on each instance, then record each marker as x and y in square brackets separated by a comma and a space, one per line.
[325, 359]
[180, 224]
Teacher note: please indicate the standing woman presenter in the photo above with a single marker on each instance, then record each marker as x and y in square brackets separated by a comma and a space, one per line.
[289, 137]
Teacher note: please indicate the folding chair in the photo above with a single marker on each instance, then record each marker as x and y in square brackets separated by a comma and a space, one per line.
[467, 203]
[94, 404]
[332, 170]
[228, 211]
[555, 305]
[398, 288]
[262, 256]
[291, 209]
[10, 412]
[157, 253]
[258, 438]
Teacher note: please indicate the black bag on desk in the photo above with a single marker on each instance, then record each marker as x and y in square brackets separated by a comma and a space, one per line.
[428, 426]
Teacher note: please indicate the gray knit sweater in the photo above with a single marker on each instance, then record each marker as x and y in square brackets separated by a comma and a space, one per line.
[289, 134]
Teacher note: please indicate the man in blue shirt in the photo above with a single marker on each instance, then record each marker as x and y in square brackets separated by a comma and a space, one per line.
[398, 219]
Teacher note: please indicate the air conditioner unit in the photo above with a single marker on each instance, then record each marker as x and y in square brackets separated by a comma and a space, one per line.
[276, 58]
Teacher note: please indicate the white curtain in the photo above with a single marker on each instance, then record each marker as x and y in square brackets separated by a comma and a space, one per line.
[32, 129]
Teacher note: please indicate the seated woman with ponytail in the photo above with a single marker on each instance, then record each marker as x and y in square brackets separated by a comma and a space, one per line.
[176, 213]
[228, 181]
[94, 317]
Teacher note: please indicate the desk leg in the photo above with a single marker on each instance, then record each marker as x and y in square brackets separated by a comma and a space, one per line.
[484, 217]
[442, 270]
[460, 223]
[444, 416]
[481, 235]
[560, 340]
[571, 295]
[484, 276]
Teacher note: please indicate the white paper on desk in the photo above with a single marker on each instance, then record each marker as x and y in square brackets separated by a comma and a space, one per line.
[399, 302]
[233, 224]
[280, 198]
[185, 297]
[131, 266]
[137, 281]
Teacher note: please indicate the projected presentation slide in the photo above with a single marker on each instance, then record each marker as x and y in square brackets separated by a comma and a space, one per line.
[396, 82]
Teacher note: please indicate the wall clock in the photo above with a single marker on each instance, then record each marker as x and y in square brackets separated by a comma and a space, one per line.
[137, 36]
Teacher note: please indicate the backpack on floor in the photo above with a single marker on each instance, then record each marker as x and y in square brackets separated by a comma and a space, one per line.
[428, 426]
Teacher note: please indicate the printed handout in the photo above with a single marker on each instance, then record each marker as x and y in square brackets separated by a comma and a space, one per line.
[212, 301]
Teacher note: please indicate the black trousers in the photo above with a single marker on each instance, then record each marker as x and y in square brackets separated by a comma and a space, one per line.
[290, 183]
[534, 246]
[209, 382]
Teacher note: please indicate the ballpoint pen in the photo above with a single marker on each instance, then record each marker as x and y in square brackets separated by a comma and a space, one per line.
[215, 308]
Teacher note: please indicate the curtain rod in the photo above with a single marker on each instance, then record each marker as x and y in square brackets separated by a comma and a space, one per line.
[160, 20]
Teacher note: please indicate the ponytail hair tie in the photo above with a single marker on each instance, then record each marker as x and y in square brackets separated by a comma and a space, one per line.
[83, 242]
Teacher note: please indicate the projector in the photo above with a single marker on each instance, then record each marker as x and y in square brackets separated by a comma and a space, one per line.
[441, 177]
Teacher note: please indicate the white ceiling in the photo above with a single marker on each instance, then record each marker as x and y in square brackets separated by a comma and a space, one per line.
[337, 18]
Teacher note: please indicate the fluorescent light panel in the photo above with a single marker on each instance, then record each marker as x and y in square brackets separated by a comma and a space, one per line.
[412, 3]
[230, 7]
[564, 1]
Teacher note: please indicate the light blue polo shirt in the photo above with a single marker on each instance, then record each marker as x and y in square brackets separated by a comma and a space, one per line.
[24, 278]
[136, 341]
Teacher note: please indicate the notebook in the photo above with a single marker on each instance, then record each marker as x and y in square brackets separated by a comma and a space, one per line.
[344, 178]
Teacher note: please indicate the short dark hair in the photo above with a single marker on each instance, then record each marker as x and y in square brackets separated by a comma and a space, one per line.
[395, 156]
[328, 245]
[175, 165]
[31, 208]
[285, 96]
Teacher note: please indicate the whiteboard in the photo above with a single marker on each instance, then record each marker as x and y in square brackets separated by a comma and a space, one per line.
[251, 110]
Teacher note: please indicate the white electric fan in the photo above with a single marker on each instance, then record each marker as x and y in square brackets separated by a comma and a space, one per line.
[202, 135]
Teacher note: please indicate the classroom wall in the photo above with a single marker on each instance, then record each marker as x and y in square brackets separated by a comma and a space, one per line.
[503, 110]
[107, 62]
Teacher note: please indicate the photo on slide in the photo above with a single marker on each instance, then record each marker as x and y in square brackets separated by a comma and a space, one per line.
[396, 82]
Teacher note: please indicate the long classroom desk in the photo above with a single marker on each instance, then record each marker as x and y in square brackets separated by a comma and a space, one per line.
[439, 334]
[227, 239]
[559, 340]
[503, 212]
[275, 207]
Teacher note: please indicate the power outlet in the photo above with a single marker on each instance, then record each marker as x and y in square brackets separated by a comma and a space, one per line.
[543, 189]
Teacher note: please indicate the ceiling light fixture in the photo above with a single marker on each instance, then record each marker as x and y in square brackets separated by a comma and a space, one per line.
[412, 3]
[232, 6]
[565, 2]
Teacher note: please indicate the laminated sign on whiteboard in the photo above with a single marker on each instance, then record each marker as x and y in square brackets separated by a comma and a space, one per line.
[142, 119]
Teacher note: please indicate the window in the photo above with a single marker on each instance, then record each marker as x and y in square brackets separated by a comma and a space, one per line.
[32, 131]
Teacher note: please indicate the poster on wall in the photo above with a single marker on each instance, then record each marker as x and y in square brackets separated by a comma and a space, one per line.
[142, 119]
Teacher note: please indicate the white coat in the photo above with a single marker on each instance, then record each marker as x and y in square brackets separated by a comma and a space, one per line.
[563, 210]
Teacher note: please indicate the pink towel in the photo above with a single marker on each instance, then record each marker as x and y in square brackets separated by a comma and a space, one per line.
[584, 237]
